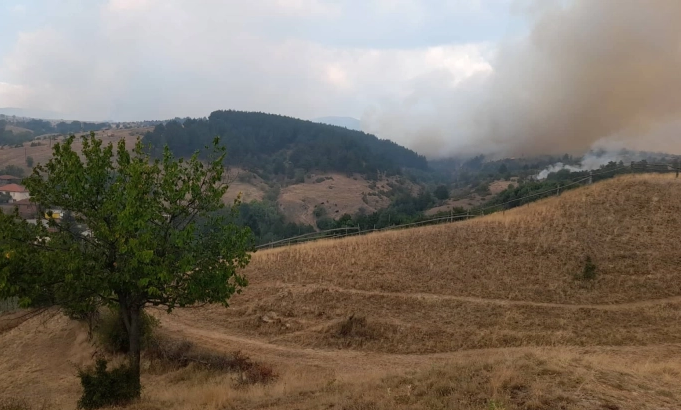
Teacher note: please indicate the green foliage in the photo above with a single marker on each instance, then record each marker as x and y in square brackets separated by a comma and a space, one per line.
[29, 162]
[142, 244]
[319, 211]
[279, 145]
[113, 335]
[503, 169]
[441, 192]
[12, 170]
[267, 223]
[10, 138]
[102, 387]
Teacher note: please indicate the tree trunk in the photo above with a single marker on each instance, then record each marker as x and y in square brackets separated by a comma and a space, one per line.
[134, 334]
[132, 318]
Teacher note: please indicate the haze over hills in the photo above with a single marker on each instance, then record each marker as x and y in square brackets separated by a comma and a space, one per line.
[33, 113]
[346, 122]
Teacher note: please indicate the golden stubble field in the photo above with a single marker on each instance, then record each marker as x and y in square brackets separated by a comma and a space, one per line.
[484, 314]
[43, 152]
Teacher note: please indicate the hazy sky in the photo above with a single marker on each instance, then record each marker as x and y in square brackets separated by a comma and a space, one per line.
[156, 59]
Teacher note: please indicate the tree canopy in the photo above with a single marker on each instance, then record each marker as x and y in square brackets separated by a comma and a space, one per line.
[279, 145]
[142, 232]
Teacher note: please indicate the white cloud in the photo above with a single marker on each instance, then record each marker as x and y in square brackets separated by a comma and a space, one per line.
[152, 59]
[19, 8]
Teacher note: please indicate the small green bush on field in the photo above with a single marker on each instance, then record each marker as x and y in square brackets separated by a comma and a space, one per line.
[102, 387]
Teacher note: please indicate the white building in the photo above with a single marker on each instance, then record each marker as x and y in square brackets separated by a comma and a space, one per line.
[16, 191]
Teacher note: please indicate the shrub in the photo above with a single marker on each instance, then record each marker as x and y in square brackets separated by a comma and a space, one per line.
[590, 269]
[103, 387]
[353, 326]
[441, 192]
[182, 353]
[319, 211]
[258, 373]
[113, 335]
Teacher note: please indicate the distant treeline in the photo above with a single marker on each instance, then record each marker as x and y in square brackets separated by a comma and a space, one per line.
[37, 128]
[277, 145]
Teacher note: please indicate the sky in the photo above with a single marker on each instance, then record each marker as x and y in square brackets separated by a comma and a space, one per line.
[443, 77]
[158, 59]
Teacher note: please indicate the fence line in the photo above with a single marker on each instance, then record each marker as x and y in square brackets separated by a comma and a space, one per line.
[451, 218]
[9, 305]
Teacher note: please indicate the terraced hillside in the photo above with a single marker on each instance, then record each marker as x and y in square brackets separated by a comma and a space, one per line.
[499, 312]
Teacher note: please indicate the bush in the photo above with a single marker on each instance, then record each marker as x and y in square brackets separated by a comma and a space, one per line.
[113, 335]
[102, 388]
[353, 326]
[441, 192]
[182, 353]
[590, 269]
[319, 211]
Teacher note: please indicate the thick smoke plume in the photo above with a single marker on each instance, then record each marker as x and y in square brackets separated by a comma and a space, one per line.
[588, 72]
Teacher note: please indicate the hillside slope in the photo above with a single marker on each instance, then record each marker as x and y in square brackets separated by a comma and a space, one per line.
[279, 145]
[489, 313]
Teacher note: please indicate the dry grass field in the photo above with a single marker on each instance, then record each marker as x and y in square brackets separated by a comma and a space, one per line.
[488, 314]
[338, 194]
[43, 152]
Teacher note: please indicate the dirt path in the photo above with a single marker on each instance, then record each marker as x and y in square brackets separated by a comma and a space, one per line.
[351, 362]
[472, 299]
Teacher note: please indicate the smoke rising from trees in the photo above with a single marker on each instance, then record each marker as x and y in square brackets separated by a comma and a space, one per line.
[603, 73]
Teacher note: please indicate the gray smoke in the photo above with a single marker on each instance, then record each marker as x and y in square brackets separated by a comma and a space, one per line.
[596, 158]
[590, 72]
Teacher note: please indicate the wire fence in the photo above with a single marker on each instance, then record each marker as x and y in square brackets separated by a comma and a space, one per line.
[345, 232]
[9, 305]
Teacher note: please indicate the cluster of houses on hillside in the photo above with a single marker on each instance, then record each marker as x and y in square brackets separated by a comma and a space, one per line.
[14, 196]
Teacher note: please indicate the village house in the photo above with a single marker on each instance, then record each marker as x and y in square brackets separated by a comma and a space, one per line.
[9, 179]
[27, 209]
[15, 191]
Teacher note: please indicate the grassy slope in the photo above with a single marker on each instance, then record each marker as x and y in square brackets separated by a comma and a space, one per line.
[475, 315]
[43, 152]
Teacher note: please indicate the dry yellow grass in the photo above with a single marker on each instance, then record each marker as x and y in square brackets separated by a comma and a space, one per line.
[338, 195]
[42, 153]
[484, 314]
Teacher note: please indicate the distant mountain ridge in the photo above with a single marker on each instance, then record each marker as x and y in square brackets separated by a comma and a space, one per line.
[346, 122]
[279, 145]
[31, 113]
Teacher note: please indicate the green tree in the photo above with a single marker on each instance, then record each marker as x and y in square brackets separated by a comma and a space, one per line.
[154, 234]
[29, 162]
[503, 169]
[441, 192]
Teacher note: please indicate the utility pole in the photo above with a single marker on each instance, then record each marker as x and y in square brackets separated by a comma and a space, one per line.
[591, 177]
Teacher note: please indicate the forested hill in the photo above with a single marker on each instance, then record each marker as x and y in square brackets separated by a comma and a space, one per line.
[280, 145]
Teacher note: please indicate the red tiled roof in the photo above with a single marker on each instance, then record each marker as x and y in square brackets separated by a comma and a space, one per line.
[12, 188]
[8, 177]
